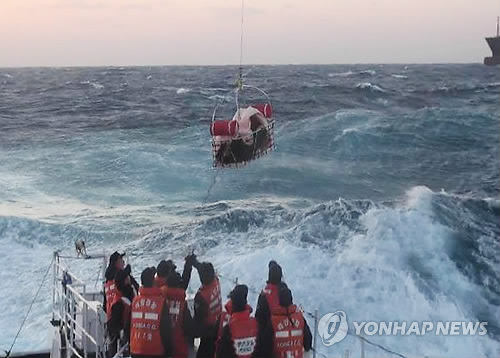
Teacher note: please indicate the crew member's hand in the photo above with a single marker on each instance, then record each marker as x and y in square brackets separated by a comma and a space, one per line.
[191, 260]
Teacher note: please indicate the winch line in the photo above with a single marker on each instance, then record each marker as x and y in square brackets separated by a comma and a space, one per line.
[29, 309]
[210, 188]
[240, 75]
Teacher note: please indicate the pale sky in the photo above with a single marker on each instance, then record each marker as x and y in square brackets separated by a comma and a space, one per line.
[207, 32]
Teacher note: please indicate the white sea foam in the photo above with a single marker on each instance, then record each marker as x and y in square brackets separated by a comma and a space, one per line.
[369, 86]
[92, 84]
[341, 74]
[183, 90]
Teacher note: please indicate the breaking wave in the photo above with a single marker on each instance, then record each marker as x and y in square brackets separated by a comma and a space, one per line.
[369, 86]
[381, 198]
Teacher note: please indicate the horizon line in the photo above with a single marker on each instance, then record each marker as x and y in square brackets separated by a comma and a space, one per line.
[246, 65]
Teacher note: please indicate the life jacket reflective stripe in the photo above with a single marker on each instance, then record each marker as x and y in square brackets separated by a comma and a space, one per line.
[288, 330]
[271, 292]
[243, 333]
[175, 299]
[160, 281]
[110, 292]
[212, 296]
[147, 308]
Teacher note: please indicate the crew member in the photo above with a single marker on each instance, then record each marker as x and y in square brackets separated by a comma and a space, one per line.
[240, 337]
[151, 331]
[118, 323]
[268, 298]
[224, 317]
[116, 263]
[287, 333]
[207, 308]
[162, 271]
[165, 267]
[180, 317]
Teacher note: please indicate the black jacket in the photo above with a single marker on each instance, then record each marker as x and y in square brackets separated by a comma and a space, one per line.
[206, 332]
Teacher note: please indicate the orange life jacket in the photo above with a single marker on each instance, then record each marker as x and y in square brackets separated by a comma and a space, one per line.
[225, 316]
[147, 308]
[176, 305]
[110, 292]
[126, 304]
[288, 329]
[212, 296]
[272, 294]
[243, 333]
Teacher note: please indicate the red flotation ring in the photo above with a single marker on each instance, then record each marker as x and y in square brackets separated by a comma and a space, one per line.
[265, 108]
[228, 128]
[224, 128]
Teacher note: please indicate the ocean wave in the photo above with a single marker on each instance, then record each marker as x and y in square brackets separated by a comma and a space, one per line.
[92, 84]
[341, 74]
[369, 86]
[351, 73]
[358, 245]
[461, 88]
[368, 72]
[402, 77]
[183, 90]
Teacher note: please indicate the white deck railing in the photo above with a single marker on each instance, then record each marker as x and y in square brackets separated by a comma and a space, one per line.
[78, 314]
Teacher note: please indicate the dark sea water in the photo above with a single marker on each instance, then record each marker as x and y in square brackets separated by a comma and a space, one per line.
[381, 198]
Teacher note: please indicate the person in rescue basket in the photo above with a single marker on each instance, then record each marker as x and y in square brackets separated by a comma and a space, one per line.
[268, 298]
[151, 330]
[116, 263]
[118, 316]
[207, 308]
[180, 317]
[287, 333]
[240, 337]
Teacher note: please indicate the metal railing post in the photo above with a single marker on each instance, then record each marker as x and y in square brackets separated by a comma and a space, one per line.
[315, 333]
[85, 328]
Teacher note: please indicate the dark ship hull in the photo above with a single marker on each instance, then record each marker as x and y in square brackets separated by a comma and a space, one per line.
[494, 43]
